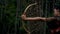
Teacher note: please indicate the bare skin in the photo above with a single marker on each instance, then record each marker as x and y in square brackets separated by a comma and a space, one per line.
[36, 18]
[56, 13]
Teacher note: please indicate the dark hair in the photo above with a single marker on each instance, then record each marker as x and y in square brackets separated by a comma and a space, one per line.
[57, 5]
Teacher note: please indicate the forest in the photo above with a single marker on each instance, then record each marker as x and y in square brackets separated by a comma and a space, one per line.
[11, 10]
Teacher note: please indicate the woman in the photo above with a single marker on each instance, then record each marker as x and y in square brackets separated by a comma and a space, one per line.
[54, 22]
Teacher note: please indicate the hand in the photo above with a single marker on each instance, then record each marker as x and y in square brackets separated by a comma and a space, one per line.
[23, 17]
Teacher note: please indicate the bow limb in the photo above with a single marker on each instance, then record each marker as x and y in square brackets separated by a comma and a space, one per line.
[23, 24]
[28, 8]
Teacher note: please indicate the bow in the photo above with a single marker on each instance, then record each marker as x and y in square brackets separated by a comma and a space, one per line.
[23, 24]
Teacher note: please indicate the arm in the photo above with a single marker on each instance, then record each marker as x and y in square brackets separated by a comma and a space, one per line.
[50, 18]
[29, 18]
[36, 18]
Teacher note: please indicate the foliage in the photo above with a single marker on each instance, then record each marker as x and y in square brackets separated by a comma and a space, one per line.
[10, 12]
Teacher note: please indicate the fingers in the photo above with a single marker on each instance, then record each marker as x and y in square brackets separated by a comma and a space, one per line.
[23, 17]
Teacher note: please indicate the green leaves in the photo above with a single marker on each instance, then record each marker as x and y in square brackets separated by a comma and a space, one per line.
[8, 15]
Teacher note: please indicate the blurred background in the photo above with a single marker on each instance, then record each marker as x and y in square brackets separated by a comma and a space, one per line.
[11, 10]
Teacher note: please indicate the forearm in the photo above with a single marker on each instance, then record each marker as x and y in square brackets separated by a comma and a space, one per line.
[37, 18]
[31, 18]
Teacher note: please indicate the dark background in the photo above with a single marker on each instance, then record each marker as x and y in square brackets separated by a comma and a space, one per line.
[10, 12]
